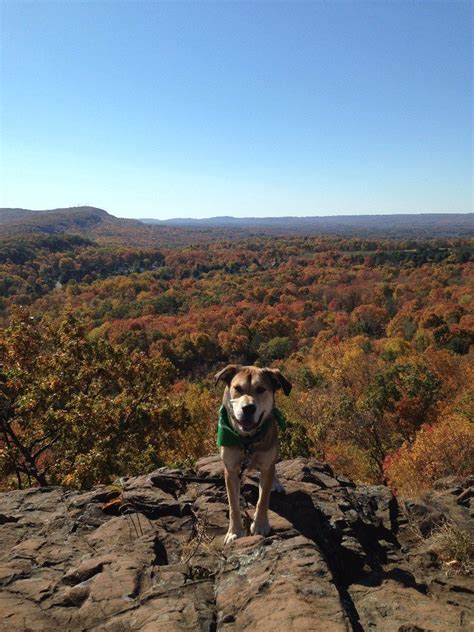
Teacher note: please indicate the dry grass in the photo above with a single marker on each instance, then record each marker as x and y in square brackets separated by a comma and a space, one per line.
[454, 547]
[200, 540]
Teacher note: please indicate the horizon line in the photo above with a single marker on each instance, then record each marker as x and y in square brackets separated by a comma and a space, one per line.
[226, 216]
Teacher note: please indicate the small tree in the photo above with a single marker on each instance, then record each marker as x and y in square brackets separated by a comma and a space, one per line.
[76, 411]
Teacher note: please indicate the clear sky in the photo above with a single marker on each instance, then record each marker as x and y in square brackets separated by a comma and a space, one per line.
[195, 109]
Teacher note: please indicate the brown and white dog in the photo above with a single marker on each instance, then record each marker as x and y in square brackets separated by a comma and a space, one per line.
[249, 399]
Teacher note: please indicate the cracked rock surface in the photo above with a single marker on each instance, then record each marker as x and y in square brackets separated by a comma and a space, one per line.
[148, 555]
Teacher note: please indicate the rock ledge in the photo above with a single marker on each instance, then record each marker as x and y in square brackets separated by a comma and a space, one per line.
[148, 555]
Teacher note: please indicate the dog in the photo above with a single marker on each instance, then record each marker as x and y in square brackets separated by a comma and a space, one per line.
[250, 422]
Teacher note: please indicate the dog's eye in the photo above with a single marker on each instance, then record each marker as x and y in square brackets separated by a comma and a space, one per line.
[238, 389]
[260, 390]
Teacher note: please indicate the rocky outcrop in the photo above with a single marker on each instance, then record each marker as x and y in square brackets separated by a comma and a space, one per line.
[147, 555]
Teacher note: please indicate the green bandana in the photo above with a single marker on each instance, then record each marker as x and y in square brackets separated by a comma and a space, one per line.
[227, 436]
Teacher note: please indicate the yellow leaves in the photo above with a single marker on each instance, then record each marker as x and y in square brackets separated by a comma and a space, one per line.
[445, 448]
[346, 364]
[395, 347]
[71, 480]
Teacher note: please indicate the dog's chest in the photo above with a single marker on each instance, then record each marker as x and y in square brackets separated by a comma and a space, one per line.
[252, 459]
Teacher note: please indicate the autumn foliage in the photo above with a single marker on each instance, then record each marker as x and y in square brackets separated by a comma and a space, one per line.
[75, 411]
[106, 369]
[443, 449]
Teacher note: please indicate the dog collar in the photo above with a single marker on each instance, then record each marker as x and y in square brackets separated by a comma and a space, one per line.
[227, 436]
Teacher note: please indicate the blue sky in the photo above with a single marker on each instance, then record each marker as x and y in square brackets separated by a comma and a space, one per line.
[196, 109]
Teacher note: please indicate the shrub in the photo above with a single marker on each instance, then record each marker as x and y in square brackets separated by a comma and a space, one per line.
[293, 441]
[350, 460]
[443, 449]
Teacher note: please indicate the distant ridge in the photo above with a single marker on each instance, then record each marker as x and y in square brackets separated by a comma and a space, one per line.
[96, 223]
[402, 224]
[220, 219]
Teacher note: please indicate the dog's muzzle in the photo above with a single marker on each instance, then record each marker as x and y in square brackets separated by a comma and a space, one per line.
[248, 421]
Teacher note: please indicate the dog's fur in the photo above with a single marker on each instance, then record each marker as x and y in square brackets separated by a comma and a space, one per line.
[249, 400]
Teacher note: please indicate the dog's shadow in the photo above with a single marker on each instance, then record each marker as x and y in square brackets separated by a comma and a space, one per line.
[346, 566]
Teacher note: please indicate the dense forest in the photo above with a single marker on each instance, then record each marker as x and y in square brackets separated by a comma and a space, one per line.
[108, 351]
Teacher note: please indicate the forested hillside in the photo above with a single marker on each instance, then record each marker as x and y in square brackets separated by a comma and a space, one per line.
[107, 352]
[98, 224]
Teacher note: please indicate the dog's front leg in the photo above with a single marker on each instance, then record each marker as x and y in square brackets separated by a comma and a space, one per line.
[232, 483]
[260, 525]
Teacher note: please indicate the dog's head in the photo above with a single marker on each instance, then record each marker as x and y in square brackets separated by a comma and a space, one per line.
[249, 394]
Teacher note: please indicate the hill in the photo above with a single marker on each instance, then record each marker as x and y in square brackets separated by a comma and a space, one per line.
[55, 220]
[147, 554]
[87, 221]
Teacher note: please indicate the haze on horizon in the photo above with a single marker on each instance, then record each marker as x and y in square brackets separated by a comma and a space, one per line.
[161, 110]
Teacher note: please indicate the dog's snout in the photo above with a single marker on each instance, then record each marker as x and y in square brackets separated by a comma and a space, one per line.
[249, 409]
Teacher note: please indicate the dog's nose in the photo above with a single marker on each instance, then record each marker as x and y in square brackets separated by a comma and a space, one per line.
[249, 409]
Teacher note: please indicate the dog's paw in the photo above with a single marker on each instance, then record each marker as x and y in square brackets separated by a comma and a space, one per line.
[260, 528]
[232, 535]
[278, 487]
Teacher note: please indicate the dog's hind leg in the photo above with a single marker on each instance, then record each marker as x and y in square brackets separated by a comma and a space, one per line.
[277, 486]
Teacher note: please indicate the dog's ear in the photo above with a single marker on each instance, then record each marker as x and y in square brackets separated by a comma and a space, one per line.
[227, 373]
[279, 380]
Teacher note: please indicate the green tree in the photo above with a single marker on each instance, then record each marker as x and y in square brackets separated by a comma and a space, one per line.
[275, 349]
